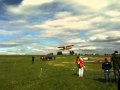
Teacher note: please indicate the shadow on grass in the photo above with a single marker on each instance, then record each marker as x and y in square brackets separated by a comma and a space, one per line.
[75, 74]
[103, 80]
[100, 80]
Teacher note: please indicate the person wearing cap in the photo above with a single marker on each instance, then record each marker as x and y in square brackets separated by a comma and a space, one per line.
[106, 66]
[80, 62]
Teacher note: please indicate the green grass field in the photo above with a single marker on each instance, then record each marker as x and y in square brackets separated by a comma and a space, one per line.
[18, 73]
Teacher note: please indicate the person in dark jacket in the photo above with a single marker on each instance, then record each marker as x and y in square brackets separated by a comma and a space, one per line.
[106, 66]
[115, 59]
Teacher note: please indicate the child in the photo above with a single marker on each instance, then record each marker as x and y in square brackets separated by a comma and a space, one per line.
[80, 62]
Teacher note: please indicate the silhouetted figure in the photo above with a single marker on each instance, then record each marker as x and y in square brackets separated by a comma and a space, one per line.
[115, 58]
[33, 59]
[119, 82]
[106, 66]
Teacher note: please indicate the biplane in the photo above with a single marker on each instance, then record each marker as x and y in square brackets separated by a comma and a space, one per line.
[66, 47]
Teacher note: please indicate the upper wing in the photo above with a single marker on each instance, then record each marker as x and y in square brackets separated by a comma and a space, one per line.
[69, 45]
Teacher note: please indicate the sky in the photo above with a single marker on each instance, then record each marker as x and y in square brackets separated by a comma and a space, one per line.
[40, 26]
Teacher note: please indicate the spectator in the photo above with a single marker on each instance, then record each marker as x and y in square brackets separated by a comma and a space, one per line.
[106, 66]
[115, 59]
[33, 59]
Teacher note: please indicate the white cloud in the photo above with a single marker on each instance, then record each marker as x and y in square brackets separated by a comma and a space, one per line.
[89, 48]
[95, 31]
[27, 5]
[52, 48]
[35, 2]
[93, 4]
[113, 13]
[98, 37]
[9, 44]
[115, 19]
[63, 14]
[6, 32]
[116, 33]
[105, 35]
[18, 21]
[69, 22]
[41, 49]
[75, 40]
[97, 19]
[51, 33]
[117, 43]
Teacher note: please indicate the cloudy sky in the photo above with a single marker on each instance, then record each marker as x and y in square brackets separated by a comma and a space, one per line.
[40, 26]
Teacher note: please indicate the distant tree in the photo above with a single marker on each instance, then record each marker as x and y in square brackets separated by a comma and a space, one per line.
[72, 52]
[59, 53]
[75, 53]
[50, 54]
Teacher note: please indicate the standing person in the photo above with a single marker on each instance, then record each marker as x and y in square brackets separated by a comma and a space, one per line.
[115, 59]
[33, 59]
[106, 66]
[80, 62]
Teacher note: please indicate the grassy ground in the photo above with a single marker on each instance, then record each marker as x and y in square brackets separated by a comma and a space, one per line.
[18, 73]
